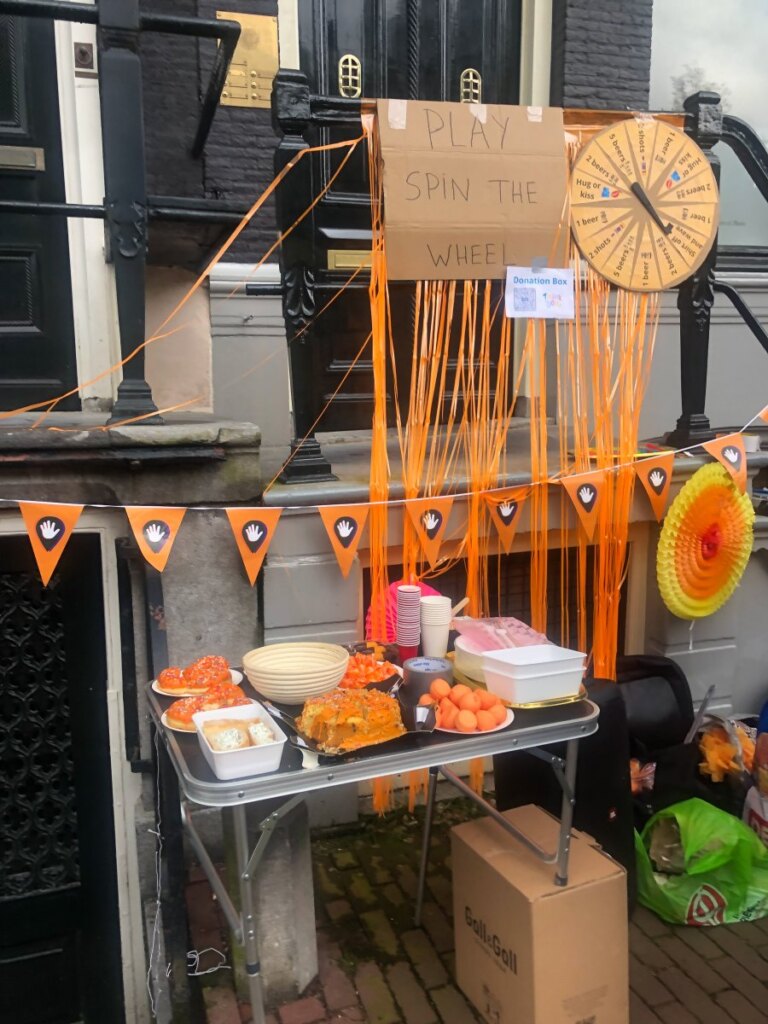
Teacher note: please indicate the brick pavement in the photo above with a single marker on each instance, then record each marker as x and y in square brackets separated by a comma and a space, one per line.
[376, 968]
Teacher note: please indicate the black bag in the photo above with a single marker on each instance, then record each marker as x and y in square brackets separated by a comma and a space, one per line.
[603, 806]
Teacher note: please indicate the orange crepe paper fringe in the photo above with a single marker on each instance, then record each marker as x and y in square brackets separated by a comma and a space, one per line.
[418, 781]
[477, 775]
[383, 799]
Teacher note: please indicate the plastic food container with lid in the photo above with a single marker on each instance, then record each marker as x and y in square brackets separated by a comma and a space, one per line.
[526, 675]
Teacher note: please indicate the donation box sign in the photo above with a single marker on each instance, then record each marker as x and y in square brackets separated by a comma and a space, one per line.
[471, 188]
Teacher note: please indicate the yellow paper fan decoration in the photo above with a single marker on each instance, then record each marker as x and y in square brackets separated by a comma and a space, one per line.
[705, 544]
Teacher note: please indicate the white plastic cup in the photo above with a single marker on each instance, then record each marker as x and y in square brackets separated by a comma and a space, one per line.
[434, 639]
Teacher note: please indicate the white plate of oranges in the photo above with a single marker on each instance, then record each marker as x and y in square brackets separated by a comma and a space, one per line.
[461, 710]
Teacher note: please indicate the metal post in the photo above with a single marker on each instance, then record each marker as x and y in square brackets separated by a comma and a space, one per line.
[291, 115]
[122, 125]
[696, 296]
[566, 811]
[248, 914]
[425, 842]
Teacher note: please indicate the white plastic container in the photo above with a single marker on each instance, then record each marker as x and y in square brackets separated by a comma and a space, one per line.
[235, 764]
[526, 675]
[469, 660]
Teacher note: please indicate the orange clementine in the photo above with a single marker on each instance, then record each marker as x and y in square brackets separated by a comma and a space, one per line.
[487, 700]
[466, 721]
[499, 713]
[470, 702]
[485, 721]
[457, 692]
[426, 699]
[449, 715]
[439, 688]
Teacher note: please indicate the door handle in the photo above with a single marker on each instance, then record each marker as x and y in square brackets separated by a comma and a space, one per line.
[22, 158]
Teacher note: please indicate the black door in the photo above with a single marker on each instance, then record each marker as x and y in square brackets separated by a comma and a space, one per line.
[59, 924]
[37, 348]
[430, 49]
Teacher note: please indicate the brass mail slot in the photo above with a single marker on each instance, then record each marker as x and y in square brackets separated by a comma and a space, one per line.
[348, 259]
[22, 158]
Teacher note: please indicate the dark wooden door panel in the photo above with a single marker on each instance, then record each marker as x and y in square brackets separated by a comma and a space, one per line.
[37, 349]
[402, 50]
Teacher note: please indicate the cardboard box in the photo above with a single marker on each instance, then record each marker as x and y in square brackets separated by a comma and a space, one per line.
[471, 188]
[531, 952]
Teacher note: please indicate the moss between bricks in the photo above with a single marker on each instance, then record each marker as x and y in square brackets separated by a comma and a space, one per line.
[350, 862]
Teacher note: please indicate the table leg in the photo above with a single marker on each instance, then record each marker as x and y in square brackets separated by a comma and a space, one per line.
[248, 914]
[566, 812]
[425, 842]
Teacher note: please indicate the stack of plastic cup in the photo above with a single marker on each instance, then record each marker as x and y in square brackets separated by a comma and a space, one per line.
[408, 629]
[435, 617]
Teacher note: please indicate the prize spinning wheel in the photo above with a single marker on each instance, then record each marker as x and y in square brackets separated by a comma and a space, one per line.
[644, 204]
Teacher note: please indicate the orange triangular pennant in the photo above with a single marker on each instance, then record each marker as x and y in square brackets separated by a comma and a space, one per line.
[655, 474]
[729, 450]
[254, 529]
[344, 525]
[49, 528]
[586, 491]
[505, 508]
[430, 518]
[155, 531]
[764, 414]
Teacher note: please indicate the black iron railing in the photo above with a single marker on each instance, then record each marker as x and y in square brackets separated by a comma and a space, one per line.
[127, 209]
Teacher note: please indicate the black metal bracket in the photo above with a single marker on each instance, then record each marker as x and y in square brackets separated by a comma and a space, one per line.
[743, 309]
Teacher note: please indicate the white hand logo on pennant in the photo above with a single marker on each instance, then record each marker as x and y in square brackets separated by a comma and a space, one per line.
[50, 531]
[156, 534]
[507, 511]
[733, 455]
[587, 496]
[345, 529]
[657, 478]
[432, 521]
[254, 535]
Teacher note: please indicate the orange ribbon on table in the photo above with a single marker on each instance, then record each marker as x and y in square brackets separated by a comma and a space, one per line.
[344, 525]
[49, 528]
[155, 531]
[655, 474]
[430, 518]
[254, 529]
[586, 491]
[505, 508]
[729, 451]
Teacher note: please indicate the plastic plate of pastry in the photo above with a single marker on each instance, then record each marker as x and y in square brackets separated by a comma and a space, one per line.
[179, 716]
[347, 721]
[197, 678]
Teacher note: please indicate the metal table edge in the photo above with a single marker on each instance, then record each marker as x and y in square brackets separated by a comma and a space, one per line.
[256, 788]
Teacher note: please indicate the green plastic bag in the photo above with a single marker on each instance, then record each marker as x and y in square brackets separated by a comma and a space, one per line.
[725, 873]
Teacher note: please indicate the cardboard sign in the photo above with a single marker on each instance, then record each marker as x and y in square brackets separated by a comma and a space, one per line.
[586, 491]
[505, 507]
[655, 474]
[430, 518]
[253, 529]
[155, 531]
[49, 528]
[470, 188]
[539, 294]
[344, 525]
[729, 451]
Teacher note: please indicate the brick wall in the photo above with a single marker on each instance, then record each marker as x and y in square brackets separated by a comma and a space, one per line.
[601, 53]
[237, 163]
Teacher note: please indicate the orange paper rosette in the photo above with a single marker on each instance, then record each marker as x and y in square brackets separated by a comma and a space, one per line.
[705, 544]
